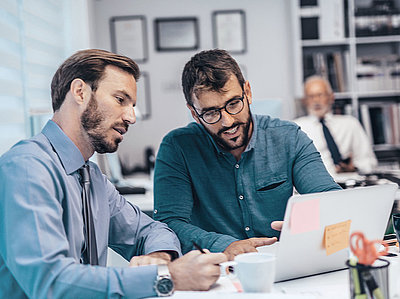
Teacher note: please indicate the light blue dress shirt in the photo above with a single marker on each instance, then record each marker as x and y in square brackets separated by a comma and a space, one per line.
[206, 196]
[41, 226]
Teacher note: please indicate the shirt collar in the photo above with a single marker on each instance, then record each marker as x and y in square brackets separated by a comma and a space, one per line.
[253, 137]
[328, 116]
[70, 156]
[316, 119]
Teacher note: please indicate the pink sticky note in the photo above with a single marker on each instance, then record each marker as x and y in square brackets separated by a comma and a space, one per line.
[304, 216]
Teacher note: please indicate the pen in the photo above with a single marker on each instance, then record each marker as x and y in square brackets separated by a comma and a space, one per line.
[197, 246]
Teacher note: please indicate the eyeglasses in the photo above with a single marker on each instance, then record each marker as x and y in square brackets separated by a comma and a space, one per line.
[232, 107]
[317, 96]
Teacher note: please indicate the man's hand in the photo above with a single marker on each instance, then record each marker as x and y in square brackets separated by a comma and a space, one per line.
[154, 258]
[247, 245]
[196, 271]
[277, 225]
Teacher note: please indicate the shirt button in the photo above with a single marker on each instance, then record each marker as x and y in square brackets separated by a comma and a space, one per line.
[237, 166]
[247, 228]
[241, 197]
[155, 211]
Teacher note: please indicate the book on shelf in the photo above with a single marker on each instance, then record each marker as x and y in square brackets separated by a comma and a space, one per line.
[381, 122]
[333, 66]
[378, 73]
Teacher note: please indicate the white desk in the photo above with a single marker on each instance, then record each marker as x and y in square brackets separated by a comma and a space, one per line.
[328, 286]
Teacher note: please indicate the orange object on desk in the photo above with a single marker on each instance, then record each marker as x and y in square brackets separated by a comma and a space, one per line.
[365, 250]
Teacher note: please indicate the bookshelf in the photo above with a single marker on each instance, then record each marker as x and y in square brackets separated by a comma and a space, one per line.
[355, 44]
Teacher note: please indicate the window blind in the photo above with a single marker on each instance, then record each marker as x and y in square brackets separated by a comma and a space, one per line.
[32, 45]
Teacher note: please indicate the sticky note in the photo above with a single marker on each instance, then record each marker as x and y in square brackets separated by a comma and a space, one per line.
[304, 216]
[336, 236]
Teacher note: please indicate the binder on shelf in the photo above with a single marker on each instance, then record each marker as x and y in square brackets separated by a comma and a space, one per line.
[381, 122]
[306, 3]
[366, 121]
[309, 28]
[378, 125]
[332, 20]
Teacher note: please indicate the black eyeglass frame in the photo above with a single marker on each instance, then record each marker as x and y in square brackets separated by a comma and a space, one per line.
[222, 108]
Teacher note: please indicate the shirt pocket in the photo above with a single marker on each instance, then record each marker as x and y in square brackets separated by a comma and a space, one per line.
[275, 191]
[271, 184]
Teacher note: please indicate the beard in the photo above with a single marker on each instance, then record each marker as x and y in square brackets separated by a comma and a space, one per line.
[92, 120]
[226, 145]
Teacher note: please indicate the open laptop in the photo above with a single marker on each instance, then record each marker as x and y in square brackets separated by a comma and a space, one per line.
[304, 253]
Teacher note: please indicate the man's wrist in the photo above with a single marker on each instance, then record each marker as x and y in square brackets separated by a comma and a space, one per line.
[168, 255]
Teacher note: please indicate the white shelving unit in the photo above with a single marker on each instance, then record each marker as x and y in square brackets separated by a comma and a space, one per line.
[369, 66]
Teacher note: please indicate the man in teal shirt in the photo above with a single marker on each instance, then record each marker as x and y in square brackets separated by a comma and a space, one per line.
[224, 180]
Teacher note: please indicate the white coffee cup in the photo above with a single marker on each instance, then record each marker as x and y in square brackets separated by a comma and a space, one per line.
[255, 270]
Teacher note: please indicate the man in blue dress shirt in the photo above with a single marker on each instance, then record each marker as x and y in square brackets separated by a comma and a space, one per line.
[224, 181]
[41, 222]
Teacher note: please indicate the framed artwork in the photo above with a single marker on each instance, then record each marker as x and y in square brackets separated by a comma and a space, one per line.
[229, 30]
[129, 37]
[143, 104]
[176, 34]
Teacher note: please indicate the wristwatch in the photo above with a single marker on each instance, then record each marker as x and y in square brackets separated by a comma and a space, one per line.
[164, 286]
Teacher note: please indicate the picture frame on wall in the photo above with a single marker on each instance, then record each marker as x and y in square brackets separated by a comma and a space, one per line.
[129, 37]
[176, 34]
[143, 103]
[229, 30]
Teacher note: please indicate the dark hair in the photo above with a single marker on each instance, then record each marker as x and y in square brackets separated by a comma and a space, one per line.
[88, 65]
[209, 70]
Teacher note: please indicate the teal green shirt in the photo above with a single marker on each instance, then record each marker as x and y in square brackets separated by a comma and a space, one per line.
[206, 196]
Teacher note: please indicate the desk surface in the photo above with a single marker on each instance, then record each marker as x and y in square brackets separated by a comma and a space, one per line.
[330, 285]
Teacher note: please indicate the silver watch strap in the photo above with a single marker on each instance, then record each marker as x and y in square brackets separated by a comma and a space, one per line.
[162, 270]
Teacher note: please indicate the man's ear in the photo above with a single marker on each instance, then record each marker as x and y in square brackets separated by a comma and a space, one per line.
[331, 98]
[247, 90]
[79, 90]
[194, 114]
[304, 101]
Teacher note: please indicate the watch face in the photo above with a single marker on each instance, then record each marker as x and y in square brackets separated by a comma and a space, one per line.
[165, 286]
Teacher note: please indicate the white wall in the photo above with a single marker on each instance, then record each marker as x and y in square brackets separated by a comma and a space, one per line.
[268, 60]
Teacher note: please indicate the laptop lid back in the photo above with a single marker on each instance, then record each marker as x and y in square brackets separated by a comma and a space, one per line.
[302, 246]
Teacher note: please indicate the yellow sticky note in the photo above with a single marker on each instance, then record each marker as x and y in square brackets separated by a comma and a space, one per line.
[336, 236]
[304, 216]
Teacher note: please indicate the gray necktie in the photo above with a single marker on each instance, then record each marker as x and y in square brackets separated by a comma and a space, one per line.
[89, 253]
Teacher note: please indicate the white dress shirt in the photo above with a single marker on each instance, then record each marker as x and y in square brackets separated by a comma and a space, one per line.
[349, 136]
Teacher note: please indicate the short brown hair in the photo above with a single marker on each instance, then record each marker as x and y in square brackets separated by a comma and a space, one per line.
[89, 66]
[209, 70]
